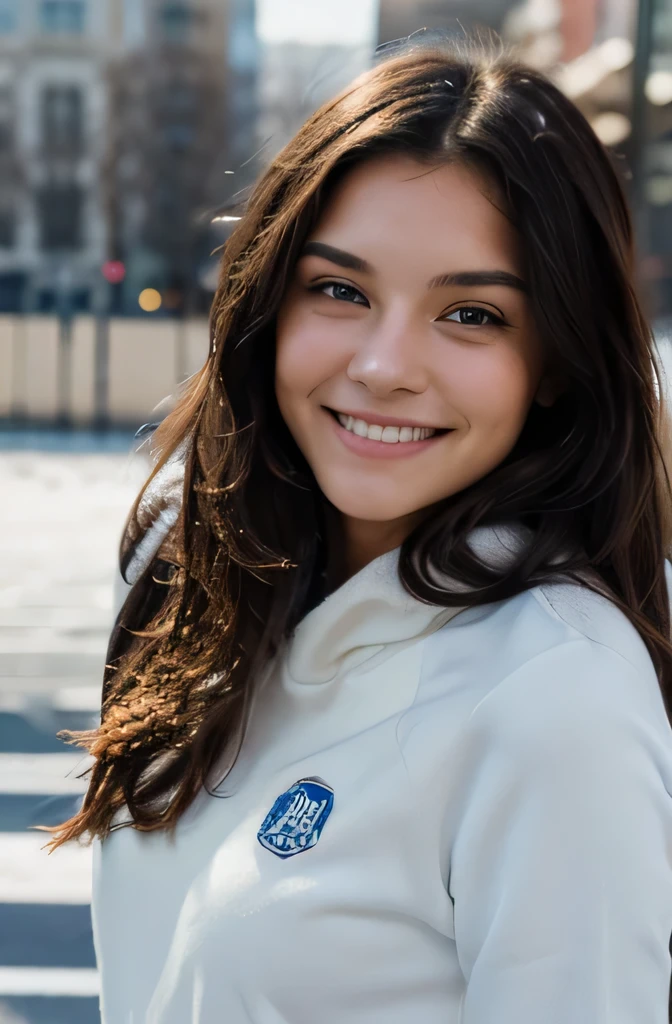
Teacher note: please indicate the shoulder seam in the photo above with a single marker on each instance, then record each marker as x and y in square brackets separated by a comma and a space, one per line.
[580, 639]
[552, 611]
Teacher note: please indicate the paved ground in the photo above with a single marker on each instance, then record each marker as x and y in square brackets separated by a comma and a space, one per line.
[60, 521]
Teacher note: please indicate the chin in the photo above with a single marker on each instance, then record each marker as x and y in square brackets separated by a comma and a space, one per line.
[370, 505]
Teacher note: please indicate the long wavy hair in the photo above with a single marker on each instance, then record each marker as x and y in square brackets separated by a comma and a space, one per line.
[242, 561]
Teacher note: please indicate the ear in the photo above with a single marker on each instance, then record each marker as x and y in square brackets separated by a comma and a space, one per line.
[550, 388]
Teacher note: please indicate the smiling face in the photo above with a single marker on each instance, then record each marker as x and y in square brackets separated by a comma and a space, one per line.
[407, 357]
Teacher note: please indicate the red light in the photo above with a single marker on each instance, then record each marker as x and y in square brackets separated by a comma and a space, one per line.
[113, 271]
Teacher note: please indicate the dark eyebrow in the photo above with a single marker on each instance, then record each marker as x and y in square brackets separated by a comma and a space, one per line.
[470, 278]
[337, 256]
[465, 278]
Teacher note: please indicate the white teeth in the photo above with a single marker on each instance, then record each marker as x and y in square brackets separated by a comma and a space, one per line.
[391, 435]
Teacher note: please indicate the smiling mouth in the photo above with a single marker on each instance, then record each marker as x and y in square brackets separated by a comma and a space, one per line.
[387, 434]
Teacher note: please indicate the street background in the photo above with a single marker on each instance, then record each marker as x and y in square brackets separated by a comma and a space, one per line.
[130, 133]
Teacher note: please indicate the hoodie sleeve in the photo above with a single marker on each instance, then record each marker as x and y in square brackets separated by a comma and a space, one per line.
[561, 865]
[148, 531]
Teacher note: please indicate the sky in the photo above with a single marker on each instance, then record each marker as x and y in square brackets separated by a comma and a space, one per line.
[350, 22]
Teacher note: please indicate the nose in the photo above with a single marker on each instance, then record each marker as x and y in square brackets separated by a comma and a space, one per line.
[390, 358]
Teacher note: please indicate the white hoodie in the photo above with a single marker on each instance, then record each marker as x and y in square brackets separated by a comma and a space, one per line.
[436, 818]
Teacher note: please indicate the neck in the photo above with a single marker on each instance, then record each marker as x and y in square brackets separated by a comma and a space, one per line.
[353, 543]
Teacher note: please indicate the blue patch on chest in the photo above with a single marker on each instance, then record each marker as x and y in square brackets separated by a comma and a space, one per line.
[296, 819]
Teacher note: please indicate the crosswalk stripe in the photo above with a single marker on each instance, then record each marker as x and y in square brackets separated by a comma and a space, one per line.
[28, 874]
[43, 774]
[49, 981]
[64, 698]
[56, 613]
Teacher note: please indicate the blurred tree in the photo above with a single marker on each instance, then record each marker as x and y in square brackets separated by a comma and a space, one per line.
[166, 155]
[12, 193]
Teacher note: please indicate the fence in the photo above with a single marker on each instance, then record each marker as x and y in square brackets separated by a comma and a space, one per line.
[94, 372]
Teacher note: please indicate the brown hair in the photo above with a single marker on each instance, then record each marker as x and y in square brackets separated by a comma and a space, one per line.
[242, 564]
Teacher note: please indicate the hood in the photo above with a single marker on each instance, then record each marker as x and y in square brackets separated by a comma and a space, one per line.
[372, 612]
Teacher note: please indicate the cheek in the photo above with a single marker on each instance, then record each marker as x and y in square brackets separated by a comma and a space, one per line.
[303, 360]
[494, 387]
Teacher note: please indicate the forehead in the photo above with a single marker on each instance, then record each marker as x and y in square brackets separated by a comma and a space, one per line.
[409, 211]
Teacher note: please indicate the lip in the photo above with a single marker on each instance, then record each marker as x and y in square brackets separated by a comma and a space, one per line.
[369, 448]
[384, 421]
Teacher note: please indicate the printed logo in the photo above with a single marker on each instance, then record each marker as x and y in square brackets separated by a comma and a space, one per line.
[296, 819]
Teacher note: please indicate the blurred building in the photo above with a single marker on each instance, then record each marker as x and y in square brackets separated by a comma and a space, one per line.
[308, 53]
[657, 162]
[118, 121]
[400, 18]
[298, 77]
[52, 135]
[613, 58]
[126, 126]
[242, 61]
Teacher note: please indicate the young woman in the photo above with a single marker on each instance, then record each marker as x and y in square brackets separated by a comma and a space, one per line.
[386, 722]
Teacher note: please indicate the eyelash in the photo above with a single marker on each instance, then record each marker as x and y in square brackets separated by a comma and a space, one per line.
[319, 289]
[496, 321]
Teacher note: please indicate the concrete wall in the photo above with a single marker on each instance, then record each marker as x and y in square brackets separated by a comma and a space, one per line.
[42, 378]
[6, 365]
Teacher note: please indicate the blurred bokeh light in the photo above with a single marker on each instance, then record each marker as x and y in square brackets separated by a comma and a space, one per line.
[149, 300]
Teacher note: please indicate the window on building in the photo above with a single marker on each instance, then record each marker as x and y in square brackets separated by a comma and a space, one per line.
[6, 119]
[60, 216]
[181, 97]
[63, 16]
[7, 227]
[9, 16]
[12, 287]
[177, 19]
[178, 136]
[62, 127]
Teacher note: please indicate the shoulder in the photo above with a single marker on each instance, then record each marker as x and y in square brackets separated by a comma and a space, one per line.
[588, 666]
[555, 652]
[148, 532]
[581, 614]
[543, 693]
[157, 513]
